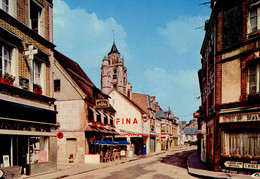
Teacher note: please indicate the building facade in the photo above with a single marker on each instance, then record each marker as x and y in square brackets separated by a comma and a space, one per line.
[27, 112]
[229, 83]
[85, 115]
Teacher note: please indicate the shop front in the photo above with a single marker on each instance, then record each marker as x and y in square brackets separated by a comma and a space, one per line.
[240, 141]
[27, 137]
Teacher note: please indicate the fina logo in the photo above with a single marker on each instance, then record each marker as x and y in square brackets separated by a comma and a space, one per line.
[145, 117]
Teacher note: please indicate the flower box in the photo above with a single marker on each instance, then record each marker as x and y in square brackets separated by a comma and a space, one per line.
[7, 79]
[37, 91]
[4, 81]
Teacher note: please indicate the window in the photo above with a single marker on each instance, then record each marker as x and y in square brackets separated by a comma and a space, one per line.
[5, 5]
[111, 120]
[98, 116]
[35, 13]
[5, 63]
[37, 72]
[253, 20]
[39, 149]
[56, 85]
[90, 114]
[105, 118]
[241, 144]
[253, 78]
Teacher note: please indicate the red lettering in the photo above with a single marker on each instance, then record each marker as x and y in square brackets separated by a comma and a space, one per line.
[122, 120]
[128, 120]
[117, 120]
[135, 121]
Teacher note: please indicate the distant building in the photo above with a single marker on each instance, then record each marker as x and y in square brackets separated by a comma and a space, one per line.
[190, 134]
[114, 73]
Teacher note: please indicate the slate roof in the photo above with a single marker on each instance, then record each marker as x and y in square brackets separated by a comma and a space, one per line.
[113, 49]
[190, 131]
[160, 114]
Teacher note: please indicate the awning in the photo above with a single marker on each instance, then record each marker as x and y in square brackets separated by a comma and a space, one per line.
[103, 142]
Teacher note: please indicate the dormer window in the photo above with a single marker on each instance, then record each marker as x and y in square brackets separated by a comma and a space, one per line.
[253, 19]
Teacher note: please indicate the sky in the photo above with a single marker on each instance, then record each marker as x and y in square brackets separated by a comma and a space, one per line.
[160, 41]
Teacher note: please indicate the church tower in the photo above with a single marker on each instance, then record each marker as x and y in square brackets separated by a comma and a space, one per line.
[113, 73]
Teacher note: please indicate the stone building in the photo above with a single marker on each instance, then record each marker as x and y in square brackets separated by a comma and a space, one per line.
[114, 73]
[229, 83]
[27, 112]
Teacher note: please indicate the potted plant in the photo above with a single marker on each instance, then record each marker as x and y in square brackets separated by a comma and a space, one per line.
[37, 88]
[7, 79]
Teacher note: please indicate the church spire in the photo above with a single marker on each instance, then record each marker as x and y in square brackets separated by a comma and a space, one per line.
[113, 49]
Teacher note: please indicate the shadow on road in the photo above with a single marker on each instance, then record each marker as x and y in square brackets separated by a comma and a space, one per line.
[178, 159]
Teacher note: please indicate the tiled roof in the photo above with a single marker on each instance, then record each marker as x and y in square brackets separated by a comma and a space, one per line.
[140, 100]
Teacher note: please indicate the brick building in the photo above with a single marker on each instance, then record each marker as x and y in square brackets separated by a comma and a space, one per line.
[27, 114]
[229, 83]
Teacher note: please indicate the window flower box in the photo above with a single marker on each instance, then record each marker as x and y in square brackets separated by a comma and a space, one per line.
[8, 79]
[253, 97]
[37, 88]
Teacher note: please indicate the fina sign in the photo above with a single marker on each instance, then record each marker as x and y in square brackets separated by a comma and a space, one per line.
[102, 103]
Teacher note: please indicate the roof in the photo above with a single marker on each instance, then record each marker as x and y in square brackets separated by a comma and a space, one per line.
[190, 131]
[140, 100]
[160, 114]
[130, 101]
[76, 73]
[113, 49]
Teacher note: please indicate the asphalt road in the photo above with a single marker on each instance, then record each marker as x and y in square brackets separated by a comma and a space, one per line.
[170, 165]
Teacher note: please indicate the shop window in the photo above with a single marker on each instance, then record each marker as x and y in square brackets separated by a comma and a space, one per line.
[5, 63]
[39, 149]
[5, 153]
[56, 85]
[241, 144]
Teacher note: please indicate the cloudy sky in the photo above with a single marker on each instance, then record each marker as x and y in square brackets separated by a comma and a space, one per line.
[160, 41]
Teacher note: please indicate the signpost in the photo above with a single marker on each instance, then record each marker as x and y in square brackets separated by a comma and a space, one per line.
[233, 164]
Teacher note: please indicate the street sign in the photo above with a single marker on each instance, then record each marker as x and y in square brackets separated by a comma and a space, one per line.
[60, 135]
[252, 166]
[233, 164]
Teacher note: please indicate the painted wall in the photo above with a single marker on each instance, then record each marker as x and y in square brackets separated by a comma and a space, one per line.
[231, 81]
[70, 114]
[68, 88]
[127, 116]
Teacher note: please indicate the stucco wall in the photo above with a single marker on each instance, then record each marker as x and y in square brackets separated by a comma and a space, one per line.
[71, 115]
[231, 81]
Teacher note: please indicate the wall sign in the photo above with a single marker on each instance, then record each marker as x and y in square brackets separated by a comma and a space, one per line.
[102, 103]
[240, 117]
[233, 164]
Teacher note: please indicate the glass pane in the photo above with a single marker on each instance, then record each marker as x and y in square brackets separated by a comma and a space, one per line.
[5, 5]
[252, 79]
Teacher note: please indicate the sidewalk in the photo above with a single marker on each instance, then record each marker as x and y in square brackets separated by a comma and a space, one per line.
[68, 169]
[199, 169]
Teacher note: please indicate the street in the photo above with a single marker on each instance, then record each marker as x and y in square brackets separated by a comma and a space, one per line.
[169, 165]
